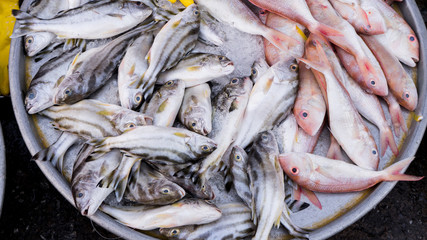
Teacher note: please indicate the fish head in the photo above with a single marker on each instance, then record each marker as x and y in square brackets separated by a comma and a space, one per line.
[202, 188]
[266, 142]
[222, 64]
[136, 9]
[408, 96]
[203, 145]
[127, 120]
[177, 232]
[375, 83]
[376, 21]
[238, 157]
[132, 98]
[298, 166]
[37, 100]
[238, 87]
[172, 87]
[309, 113]
[198, 125]
[37, 41]
[404, 45]
[166, 191]
[286, 70]
[69, 90]
[368, 154]
[190, 14]
[82, 195]
[259, 67]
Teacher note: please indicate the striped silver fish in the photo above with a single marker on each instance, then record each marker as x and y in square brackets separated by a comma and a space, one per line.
[266, 184]
[148, 186]
[198, 68]
[91, 69]
[184, 212]
[165, 103]
[196, 109]
[175, 40]
[270, 101]
[86, 175]
[94, 119]
[111, 19]
[235, 223]
[131, 68]
[159, 144]
[41, 91]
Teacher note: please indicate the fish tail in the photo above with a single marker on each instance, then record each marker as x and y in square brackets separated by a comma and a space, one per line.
[387, 140]
[121, 187]
[25, 21]
[101, 147]
[322, 65]
[394, 172]
[286, 221]
[325, 30]
[284, 42]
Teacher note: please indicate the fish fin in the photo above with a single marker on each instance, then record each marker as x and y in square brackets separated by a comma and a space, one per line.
[277, 223]
[162, 106]
[193, 68]
[106, 181]
[132, 70]
[323, 65]
[100, 147]
[398, 119]
[394, 172]
[148, 57]
[325, 30]
[75, 60]
[387, 140]
[20, 31]
[121, 188]
[297, 193]
[312, 197]
[20, 15]
[334, 151]
[284, 42]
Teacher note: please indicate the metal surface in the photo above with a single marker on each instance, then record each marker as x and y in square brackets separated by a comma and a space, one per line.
[34, 144]
[2, 169]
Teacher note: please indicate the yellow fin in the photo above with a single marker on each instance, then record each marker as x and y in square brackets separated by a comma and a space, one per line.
[132, 70]
[193, 68]
[105, 113]
[300, 32]
[179, 134]
[162, 106]
[277, 223]
[175, 24]
[186, 3]
[148, 57]
[75, 59]
[268, 85]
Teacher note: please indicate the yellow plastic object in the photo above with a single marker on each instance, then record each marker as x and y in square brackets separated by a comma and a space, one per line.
[7, 22]
[301, 33]
[186, 3]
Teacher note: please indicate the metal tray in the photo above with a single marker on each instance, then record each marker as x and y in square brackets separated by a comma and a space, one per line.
[30, 133]
[2, 169]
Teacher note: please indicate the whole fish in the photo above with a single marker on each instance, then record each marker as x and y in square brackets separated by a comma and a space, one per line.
[111, 18]
[86, 175]
[288, 27]
[399, 38]
[321, 174]
[41, 91]
[400, 83]
[298, 11]
[310, 107]
[270, 101]
[196, 109]
[163, 144]
[175, 40]
[323, 11]
[150, 187]
[93, 119]
[235, 223]
[258, 69]
[228, 109]
[131, 68]
[91, 69]
[238, 15]
[349, 129]
[352, 11]
[165, 103]
[198, 68]
[184, 212]
[266, 184]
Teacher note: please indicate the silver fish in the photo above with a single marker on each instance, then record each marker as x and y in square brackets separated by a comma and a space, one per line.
[175, 39]
[258, 69]
[235, 223]
[165, 103]
[196, 109]
[184, 212]
[198, 68]
[115, 17]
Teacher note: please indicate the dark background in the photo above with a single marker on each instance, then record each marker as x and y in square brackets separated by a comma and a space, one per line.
[33, 209]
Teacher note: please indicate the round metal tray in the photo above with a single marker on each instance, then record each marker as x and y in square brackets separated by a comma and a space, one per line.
[34, 143]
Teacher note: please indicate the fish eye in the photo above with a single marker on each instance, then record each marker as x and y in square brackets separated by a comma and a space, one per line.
[130, 125]
[206, 148]
[174, 232]
[374, 151]
[304, 114]
[264, 137]
[80, 195]
[234, 80]
[294, 67]
[262, 12]
[196, 13]
[221, 58]
[193, 124]
[165, 190]
[373, 82]
[67, 92]
[31, 95]
[254, 71]
[294, 171]
[411, 38]
[138, 3]
[406, 95]
[203, 187]
[138, 98]
[29, 40]
[169, 83]
[238, 157]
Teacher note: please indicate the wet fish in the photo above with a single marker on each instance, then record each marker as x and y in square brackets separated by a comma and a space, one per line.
[304, 142]
[270, 101]
[86, 175]
[165, 103]
[310, 107]
[376, 20]
[115, 17]
[93, 119]
[162, 144]
[321, 174]
[258, 69]
[150, 187]
[131, 68]
[175, 40]
[196, 109]
[352, 11]
[349, 129]
[238, 15]
[198, 68]
[37, 41]
[266, 184]
[235, 223]
[184, 212]
[41, 90]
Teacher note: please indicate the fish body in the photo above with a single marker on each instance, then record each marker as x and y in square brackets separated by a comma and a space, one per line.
[163, 144]
[286, 133]
[174, 41]
[198, 68]
[115, 17]
[235, 223]
[321, 174]
[132, 67]
[266, 184]
[196, 110]
[184, 212]
[165, 103]
[352, 11]
[304, 142]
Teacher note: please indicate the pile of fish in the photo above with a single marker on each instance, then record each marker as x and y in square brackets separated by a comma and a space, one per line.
[173, 135]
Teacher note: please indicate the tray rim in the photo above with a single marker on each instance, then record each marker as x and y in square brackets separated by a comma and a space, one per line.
[411, 12]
